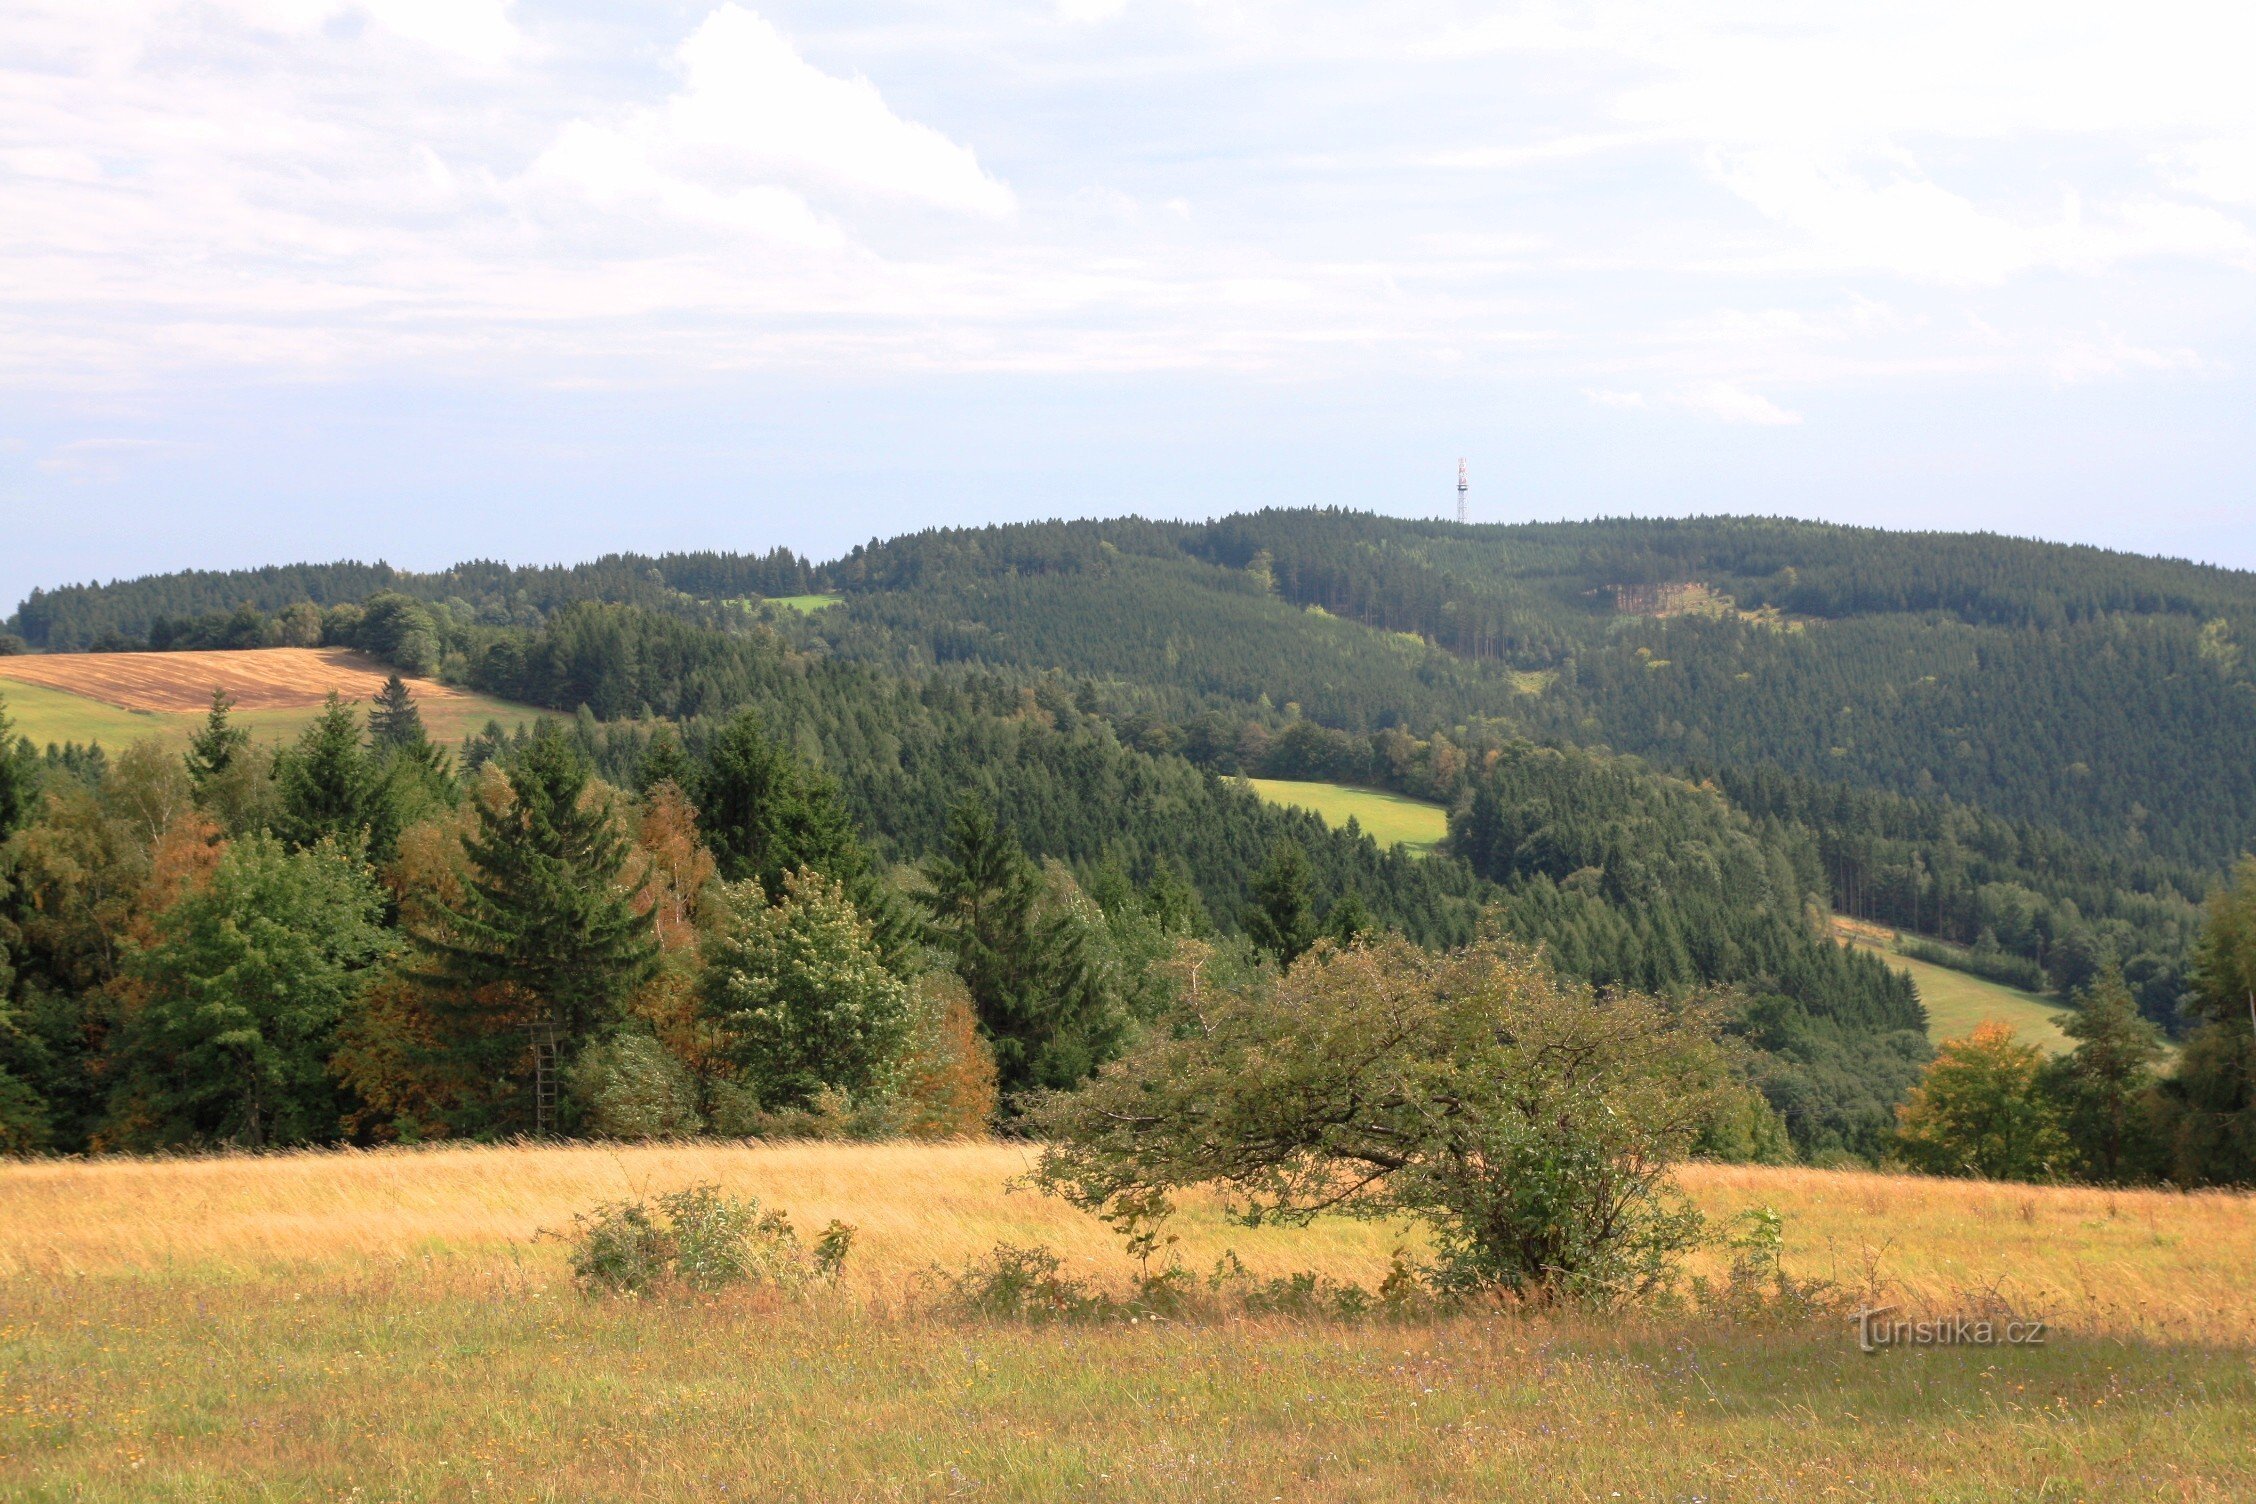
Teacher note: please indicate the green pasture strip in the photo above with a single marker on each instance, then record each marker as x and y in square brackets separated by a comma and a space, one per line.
[1386, 818]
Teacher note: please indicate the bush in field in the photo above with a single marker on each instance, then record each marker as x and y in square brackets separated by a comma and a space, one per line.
[628, 1086]
[1527, 1121]
[701, 1239]
[621, 1249]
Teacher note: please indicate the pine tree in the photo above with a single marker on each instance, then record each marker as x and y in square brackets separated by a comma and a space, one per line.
[1282, 920]
[331, 789]
[546, 915]
[1029, 981]
[393, 719]
[2102, 1085]
[218, 743]
[19, 776]
[765, 813]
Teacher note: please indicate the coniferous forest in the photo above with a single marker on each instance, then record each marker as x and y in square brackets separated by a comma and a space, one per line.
[893, 862]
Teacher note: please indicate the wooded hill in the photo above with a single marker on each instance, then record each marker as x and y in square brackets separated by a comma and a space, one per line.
[2033, 750]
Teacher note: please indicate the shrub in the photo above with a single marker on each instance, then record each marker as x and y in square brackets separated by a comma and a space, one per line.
[1014, 1283]
[621, 1249]
[700, 1239]
[630, 1087]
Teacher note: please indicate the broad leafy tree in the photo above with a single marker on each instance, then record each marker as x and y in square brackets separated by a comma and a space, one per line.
[239, 998]
[1981, 1110]
[1527, 1122]
[800, 998]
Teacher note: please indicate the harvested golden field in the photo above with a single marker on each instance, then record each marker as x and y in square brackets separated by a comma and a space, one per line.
[115, 698]
[259, 679]
[394, 1326]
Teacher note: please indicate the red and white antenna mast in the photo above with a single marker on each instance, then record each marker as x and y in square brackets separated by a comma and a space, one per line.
[1462, 488]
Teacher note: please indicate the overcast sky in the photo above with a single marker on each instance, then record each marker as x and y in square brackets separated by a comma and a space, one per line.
[432, 279]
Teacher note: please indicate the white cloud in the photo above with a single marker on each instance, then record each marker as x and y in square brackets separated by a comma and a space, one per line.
[478, 31]
[1680, 207]
[752, 109]
[1728, 403]
[2097, 358]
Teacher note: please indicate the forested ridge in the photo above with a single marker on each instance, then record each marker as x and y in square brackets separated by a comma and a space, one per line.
[1669, 747]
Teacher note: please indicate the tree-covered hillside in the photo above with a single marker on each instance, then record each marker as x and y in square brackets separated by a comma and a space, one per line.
[1668, 747]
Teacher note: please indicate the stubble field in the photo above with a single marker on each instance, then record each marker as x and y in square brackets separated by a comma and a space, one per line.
[119, 698]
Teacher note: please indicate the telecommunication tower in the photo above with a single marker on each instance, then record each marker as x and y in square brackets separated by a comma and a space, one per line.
[1462, 488]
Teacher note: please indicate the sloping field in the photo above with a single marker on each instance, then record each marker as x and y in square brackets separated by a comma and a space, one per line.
[397, 1326]
[117, 698]
[1958, 1002]
[261, 679]
[1385, 818]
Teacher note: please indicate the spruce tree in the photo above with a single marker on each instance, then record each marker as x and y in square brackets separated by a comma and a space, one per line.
[1282, 920]
[393, 719]
[765, 813]
[545, 912]
[1029, 981]
[331, 789]
[664, 761]
[218, 742]
[2103, 1084]
[19, 776]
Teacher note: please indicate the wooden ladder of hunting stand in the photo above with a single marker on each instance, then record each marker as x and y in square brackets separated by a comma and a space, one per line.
[544, 1075]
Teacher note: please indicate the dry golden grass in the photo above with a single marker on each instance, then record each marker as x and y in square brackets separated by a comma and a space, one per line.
[2156, 1264]
[385, 1326]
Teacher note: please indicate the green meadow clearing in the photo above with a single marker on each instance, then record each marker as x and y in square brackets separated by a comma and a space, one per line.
[1958, 1002]
[1388, 819]
[805, 604]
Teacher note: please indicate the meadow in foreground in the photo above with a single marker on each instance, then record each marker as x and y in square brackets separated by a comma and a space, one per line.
[395, 1326]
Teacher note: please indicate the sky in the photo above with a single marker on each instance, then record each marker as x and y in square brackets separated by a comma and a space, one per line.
[428, 280]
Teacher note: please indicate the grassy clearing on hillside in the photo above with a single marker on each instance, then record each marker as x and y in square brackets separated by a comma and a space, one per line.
[805, 604]
[1386, 818]
[1958, 1002]
[119, 698]
[390, 1326]
[53, 715]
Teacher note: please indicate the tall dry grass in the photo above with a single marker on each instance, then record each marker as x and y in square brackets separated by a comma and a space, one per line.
[392, 1326]
[2148, 1263]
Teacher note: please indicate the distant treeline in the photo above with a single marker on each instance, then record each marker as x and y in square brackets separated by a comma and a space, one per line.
[203, 608]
